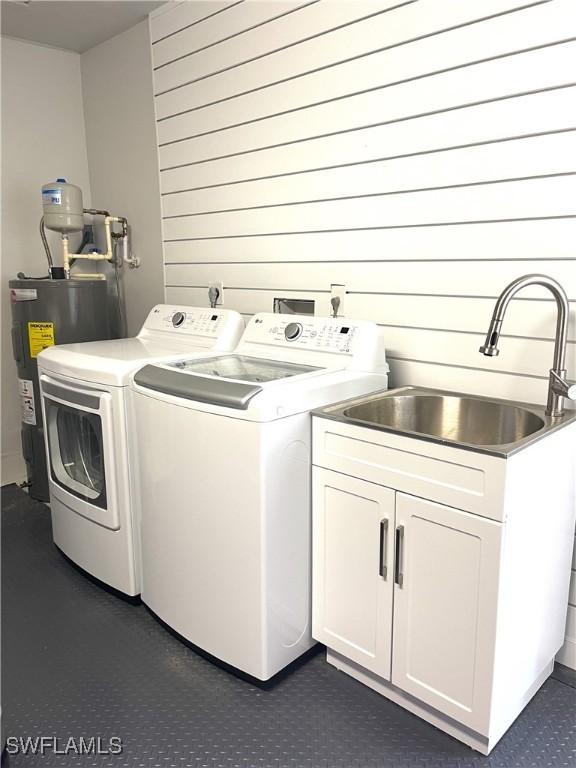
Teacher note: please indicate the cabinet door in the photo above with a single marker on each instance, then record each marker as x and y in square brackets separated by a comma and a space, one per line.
[353, 527]
[446, 574]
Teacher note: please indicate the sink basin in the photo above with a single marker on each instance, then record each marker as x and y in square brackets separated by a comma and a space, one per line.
[450, 417]
[486, 425]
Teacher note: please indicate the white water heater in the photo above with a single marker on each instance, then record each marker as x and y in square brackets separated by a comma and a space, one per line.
[63, 207]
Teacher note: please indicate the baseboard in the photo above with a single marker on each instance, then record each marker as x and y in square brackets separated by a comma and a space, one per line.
[476, 741]
[12, 468]
[482, 743]
[567, 654]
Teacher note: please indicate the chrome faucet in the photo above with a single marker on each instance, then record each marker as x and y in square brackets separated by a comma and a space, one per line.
[558, 385]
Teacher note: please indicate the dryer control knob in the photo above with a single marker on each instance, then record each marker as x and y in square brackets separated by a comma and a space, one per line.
[178, 318]
[292, 331]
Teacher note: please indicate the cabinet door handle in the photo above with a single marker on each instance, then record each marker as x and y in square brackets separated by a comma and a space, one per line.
[399, 564]
[383, 569]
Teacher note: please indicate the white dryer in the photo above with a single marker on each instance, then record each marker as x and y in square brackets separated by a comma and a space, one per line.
[224, 447]
[89, 434]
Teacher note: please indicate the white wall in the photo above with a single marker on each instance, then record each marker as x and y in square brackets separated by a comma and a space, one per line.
[122, 156]
[42, 138]
[420, 153]
[46, 96]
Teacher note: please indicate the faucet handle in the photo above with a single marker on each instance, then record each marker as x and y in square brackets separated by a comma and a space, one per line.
[561, 386]
[571, 390]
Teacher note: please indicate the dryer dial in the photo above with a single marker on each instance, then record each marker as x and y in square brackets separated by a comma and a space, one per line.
[178, 318]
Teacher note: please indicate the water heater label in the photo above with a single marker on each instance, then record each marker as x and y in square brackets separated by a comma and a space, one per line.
[40, 336]
[27, 405]
[23, 294]
[51, 197]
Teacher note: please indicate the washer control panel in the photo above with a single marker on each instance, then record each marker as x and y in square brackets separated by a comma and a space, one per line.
[302, 332]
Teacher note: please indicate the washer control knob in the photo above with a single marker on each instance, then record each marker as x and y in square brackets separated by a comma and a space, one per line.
[178, 318]
[292, 331]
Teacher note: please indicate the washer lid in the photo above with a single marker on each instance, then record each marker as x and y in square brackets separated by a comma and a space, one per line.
[241, 368]
[230, 394]
[218, 380]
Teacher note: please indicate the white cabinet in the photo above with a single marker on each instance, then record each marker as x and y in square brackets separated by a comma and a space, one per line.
[353, 530]
[445, 609]
[453, 612]
[390, 568]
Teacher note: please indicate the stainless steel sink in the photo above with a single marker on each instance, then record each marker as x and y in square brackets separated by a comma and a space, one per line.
[450, 417]
[492, 426]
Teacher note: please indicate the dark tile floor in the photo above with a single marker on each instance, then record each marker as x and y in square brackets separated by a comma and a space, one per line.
[78, 661]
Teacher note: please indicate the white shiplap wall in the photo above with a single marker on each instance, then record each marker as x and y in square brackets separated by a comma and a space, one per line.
[423, 153]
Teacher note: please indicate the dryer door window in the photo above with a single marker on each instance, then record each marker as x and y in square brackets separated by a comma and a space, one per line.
[76, 451]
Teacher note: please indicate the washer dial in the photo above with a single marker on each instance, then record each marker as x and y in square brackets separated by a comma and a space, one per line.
[292, 331]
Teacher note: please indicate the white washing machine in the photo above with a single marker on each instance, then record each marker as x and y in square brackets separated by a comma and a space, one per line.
[88, 431]
[224, 446]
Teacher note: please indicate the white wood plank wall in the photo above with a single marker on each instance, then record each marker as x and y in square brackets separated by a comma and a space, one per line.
[422, 152]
